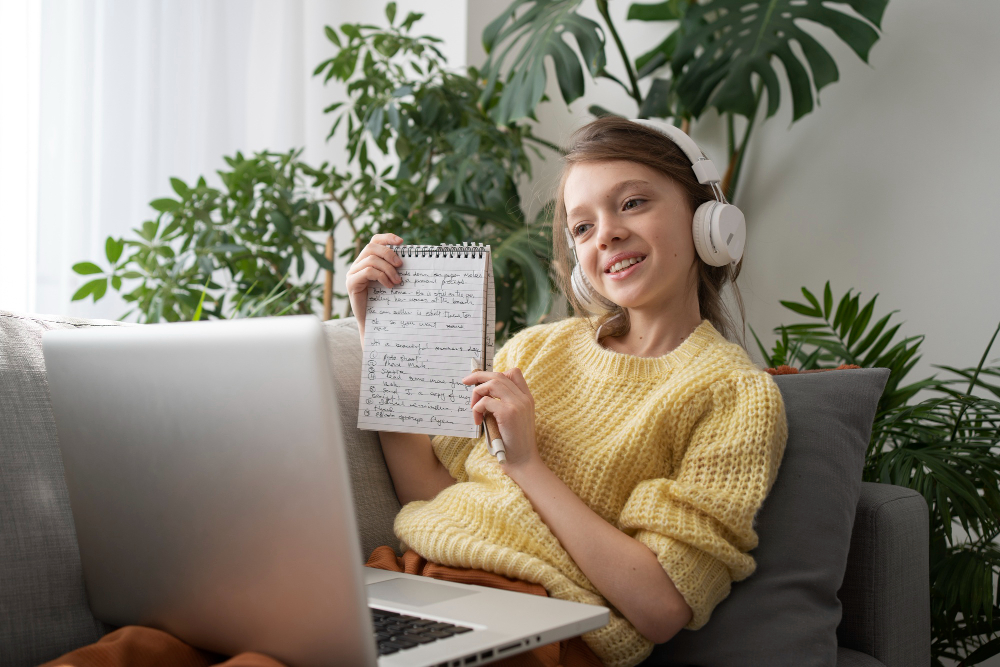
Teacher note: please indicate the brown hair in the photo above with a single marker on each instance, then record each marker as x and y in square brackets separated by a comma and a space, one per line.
[616, 138]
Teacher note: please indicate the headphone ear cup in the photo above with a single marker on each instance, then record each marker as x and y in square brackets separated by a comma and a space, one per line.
[719, 232]
[586, 295]
[701, 231]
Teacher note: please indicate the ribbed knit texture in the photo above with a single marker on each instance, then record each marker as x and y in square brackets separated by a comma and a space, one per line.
[678, 451]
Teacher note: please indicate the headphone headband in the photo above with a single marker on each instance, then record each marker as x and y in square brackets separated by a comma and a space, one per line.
[704, 169]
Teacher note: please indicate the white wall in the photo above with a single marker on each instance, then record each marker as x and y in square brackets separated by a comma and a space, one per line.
[888, 187]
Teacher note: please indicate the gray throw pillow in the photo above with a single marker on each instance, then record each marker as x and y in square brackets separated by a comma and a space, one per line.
[43, 604]
[375, 503]
[787, 612]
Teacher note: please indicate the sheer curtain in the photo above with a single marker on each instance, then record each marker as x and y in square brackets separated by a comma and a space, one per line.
[133, 92]
[19, 30]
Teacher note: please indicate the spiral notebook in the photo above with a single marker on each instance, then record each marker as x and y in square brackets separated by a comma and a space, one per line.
[420, 338]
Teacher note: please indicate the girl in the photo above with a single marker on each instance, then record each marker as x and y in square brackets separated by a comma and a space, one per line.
[640, 443]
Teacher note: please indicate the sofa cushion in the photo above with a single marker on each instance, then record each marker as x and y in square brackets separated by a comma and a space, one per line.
[375, 502]
[43, 605]
[787, 612]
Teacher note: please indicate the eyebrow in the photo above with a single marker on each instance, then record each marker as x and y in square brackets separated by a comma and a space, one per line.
[615, 192]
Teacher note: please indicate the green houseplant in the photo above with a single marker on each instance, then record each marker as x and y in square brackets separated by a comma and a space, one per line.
[716, 54]
[425, 160]
[236, 251]
[946, 446]
[454, 170]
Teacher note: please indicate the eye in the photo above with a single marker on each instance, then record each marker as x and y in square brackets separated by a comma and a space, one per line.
[632, 203]
[581, 228]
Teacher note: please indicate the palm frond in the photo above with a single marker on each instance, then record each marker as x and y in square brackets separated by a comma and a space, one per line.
[946, 447]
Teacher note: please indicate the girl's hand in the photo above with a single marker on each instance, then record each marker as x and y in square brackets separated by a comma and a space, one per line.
[507, 396]
[375, 262]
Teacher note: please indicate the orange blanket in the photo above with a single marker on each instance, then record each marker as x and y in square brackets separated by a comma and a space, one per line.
[567, 653]
[134, 646]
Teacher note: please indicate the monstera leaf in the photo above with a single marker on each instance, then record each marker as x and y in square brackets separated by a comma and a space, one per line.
[669, 10]
[724, 42]
[539, 31]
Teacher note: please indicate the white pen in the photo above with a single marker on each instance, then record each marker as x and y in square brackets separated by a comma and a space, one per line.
[494, 443]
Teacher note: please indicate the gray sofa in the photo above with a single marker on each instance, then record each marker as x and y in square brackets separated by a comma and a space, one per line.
[842, 573]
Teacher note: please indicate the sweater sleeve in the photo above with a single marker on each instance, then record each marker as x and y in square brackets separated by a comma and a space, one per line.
[452, 451]
[699, 522]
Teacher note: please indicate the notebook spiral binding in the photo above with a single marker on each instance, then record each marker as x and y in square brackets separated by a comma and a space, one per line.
[443, 250]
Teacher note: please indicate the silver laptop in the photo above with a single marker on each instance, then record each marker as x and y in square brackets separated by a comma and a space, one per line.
[208, 482]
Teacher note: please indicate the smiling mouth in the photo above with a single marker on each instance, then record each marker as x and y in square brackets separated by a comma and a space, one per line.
[624, 264]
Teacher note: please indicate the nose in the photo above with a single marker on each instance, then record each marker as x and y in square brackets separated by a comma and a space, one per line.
[609, 230]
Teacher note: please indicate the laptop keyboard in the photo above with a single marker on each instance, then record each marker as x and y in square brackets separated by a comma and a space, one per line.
[397, 632]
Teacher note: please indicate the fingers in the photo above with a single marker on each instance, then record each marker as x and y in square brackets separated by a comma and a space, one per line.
[377, 247]
[382, 268]
[477, 377]
[386, 238]
[513, 378]
[517, 378]
[376, 262]
[375, 254]
[482, 406]
[379, 250]
[369, 274]
[501, 388]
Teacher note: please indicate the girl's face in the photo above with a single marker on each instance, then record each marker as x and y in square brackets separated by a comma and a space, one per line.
[632, 228]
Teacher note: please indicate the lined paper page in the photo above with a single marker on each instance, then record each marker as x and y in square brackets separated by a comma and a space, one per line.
[419, 338]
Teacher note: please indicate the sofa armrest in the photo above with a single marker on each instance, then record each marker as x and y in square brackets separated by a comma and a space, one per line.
[886, 589]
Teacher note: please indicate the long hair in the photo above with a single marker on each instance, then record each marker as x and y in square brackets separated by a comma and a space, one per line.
[616, 138]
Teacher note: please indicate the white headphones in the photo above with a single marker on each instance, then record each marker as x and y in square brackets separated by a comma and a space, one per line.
[718, 227]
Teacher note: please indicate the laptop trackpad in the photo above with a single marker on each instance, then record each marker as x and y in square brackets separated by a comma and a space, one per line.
[414, 593]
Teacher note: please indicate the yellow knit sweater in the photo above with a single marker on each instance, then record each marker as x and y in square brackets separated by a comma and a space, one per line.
[678, 451]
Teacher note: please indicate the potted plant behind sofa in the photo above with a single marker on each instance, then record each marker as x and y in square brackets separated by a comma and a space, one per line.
[452, 171]
[237, 250]
[425, 160]
[947, 447]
